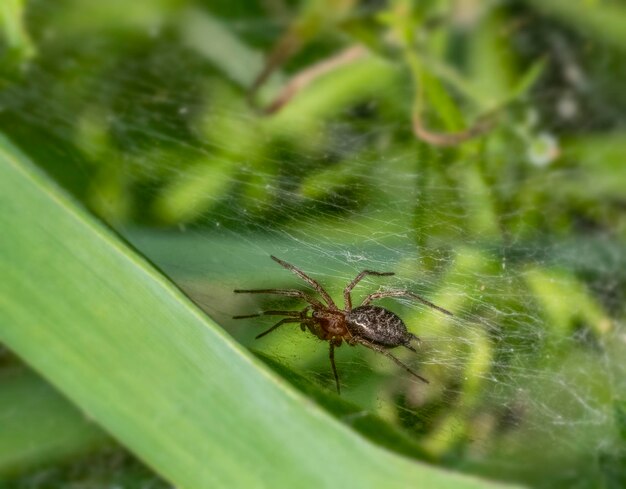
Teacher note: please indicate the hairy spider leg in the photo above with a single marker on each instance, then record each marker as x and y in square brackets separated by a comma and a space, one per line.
[279, 323]
[380, 349]
[346, 292]
[309, 280]
[403, 293]
[331, 355]
[272, 313]
[286, 292]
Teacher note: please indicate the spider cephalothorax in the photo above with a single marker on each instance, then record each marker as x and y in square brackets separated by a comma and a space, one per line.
[372, 326]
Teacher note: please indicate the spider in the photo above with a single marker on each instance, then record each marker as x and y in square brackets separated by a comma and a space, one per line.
[371, 326]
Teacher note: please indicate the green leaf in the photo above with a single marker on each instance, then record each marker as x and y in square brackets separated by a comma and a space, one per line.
[527, 80]
[126, 346]
[210, 38]
[369, 425]
[38, 425]
[15, 43]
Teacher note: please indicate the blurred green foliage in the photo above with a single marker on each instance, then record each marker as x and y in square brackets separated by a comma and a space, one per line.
[510, 200]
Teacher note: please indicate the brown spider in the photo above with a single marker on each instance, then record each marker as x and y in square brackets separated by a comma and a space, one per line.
[372, 326]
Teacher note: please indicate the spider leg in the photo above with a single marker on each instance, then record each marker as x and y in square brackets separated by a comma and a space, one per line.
[380, 349]
[307, 279]
[271, 313]
[331, 355]
[279, 323]
[286, 292]
[403, 293]
[346, 292]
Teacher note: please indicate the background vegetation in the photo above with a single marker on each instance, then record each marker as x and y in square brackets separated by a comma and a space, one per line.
[476, 148]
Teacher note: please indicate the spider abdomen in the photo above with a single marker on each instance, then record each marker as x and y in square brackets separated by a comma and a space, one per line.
[378, 325]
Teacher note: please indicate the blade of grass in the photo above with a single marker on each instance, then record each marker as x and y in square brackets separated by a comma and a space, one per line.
[125, 345]
[41, 428]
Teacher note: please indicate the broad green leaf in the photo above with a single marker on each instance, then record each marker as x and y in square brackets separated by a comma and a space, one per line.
[130, 350]
[38, 425]
[369, 425]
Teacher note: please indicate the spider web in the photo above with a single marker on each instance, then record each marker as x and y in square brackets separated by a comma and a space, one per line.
[519, 234]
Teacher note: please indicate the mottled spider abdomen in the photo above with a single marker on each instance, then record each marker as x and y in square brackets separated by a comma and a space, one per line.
[378, 325]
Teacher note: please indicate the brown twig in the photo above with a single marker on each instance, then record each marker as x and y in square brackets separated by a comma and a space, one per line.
[349, 55]
[308, 75]
[447, 139]
[284, 49]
